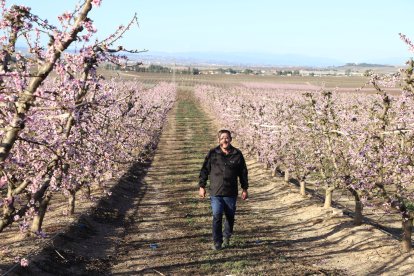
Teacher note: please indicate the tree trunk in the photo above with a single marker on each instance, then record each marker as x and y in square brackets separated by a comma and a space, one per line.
[328, 197]
[287, 176]
[71, 205]
[8, 211]
[302, 188]
[38, 219]
[407, 226]
[274, 172]
[358, 212]
[358, 208]
[88, 191]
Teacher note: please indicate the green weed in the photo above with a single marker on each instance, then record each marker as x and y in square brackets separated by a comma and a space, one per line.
[236, 267]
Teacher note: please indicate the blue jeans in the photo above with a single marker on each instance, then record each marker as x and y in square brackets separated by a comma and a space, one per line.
[220, 205]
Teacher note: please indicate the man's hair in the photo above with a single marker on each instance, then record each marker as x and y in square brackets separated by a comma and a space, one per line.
[224, 131]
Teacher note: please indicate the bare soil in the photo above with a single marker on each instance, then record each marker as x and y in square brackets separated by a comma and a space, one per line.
[155, 224]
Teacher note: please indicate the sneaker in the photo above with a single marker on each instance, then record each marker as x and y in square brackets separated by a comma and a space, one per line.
[226, 242]
[216, 246]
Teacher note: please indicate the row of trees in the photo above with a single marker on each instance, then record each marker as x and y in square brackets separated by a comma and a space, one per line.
[359, 143]
[72, 130]
[153, 68]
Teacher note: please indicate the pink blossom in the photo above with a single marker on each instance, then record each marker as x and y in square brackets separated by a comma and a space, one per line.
[3, 181]
[407, 41]
[41, 234]
[24, 262]
[96, 2]
[108, 133]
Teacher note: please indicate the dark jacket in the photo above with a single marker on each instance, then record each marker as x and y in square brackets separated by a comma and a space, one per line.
[224, 170]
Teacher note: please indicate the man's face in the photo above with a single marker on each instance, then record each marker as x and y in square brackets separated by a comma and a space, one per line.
[224, 141]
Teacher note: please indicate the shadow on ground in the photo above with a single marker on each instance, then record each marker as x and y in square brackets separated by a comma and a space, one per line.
[88, 245]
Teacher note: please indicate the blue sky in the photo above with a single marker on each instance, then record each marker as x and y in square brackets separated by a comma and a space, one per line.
[351, 30]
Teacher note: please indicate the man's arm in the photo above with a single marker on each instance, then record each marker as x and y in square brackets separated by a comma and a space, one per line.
[204, 172]
[244, 181]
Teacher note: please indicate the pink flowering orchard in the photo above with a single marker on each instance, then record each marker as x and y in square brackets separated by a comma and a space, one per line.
[356, 142]
[66, 132]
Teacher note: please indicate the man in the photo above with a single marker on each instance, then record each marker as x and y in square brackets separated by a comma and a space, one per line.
[224, 164]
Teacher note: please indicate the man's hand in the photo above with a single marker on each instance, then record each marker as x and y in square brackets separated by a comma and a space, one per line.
[202, 192]
[245, 195]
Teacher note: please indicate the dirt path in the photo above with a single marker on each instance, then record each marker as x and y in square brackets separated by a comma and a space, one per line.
[154, 224]
[173, 235]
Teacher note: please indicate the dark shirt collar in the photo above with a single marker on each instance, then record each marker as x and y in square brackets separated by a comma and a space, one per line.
[232, 150]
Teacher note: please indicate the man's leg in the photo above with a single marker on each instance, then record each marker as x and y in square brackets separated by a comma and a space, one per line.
[229, 212]
[217, 205]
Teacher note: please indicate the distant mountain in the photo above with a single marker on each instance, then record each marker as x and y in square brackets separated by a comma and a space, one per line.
[236, 59]
[259, 59]
[365, 65]
[396, 61]
[253, 59]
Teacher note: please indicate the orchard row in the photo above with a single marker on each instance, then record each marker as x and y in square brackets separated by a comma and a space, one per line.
[63, 126]
[358, 142]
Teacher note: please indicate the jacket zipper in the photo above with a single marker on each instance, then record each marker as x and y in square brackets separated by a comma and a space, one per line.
[224, 171]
